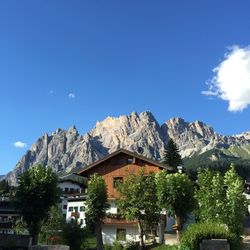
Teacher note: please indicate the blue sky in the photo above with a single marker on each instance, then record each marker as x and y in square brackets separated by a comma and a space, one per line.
[76, 62]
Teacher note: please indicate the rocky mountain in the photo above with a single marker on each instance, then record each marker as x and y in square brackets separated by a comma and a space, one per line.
[66, 150]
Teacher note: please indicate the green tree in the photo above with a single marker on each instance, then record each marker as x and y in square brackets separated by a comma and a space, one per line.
[52, 225]
[37, 191]
[221, 199]
[171, 155]
[236, 205]
[175, 193]
[96, 206]
[138, 200]
[210, 196]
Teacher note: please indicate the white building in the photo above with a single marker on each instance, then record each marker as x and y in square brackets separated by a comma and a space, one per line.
[73, 198]
[76, 210]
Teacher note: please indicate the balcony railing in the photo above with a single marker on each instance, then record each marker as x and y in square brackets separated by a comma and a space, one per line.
[117, 219]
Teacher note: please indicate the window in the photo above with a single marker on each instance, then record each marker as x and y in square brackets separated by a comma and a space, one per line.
[117, 181]
[66, 189]
[81, 221]
[65, 206]
[121, 234]
[130, 160]
[70, 209]
[76, 209]
[82, 209]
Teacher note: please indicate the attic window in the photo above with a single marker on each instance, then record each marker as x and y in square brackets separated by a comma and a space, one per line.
[130, 160]
[117, 181]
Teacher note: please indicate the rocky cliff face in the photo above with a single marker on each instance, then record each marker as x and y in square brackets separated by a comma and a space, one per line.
[65, 150]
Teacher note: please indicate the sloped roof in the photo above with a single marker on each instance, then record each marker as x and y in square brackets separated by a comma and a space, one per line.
[74, 178]
[119, 151]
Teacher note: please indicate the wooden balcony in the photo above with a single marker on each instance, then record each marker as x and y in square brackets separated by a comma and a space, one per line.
[75, 214]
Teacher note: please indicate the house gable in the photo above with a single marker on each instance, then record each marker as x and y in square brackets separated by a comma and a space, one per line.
[115, 167]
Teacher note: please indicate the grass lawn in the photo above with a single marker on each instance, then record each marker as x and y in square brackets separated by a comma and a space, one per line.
[163, 247]
[90, 244]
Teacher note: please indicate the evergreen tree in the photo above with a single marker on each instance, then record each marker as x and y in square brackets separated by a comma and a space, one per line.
[52, 226]
[171, 155]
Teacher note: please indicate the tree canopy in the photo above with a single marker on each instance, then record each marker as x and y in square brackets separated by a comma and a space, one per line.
[37, 191]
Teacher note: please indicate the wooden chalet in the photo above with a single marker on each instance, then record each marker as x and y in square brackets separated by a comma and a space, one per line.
[114, 168]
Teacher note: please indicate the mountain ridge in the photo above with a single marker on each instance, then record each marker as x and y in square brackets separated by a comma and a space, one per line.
[66, 150]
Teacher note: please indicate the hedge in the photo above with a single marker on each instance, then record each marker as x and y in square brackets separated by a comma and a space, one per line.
[195, 233]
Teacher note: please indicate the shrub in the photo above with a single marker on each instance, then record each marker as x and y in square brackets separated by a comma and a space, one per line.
[131, 245]
[195, 233]
[73, 235]
[107, 247]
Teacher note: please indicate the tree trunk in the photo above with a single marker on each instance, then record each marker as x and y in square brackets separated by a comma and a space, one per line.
[34, 238]
[34, 232]
[161, 228]
[179, 223]
[98, 234]
[141, 243]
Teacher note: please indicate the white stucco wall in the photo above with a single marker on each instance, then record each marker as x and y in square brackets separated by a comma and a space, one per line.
[109, 233]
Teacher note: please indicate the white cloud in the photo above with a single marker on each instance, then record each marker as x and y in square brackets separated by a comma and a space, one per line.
[72, 96]
[19, 144]
[231, 81]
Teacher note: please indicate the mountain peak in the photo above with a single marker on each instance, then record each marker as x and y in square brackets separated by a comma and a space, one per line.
[65, 150]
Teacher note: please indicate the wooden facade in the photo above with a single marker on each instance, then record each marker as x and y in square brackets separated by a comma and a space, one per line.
[116, 166]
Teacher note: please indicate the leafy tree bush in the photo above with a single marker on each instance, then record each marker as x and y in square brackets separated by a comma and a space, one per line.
[195, 233]
[36, 193]
[221, 199]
